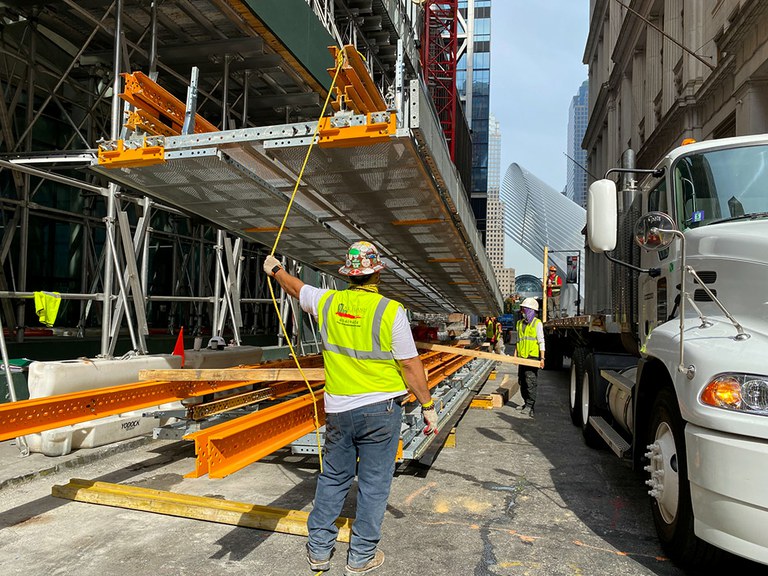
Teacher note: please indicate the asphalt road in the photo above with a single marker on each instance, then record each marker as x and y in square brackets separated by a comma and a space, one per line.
[515, 496]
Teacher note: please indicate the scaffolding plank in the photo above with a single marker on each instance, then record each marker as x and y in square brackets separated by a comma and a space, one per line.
[233, 374]
[478, 354]
[194, 507]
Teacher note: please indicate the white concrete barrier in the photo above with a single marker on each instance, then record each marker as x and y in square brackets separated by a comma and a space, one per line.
[67, 376]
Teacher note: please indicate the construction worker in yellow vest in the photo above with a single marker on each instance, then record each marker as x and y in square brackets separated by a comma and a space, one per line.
[370, 358]
[490, 328]
[530, 344]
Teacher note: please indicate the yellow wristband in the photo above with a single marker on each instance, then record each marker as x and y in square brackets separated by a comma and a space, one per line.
[429, 405]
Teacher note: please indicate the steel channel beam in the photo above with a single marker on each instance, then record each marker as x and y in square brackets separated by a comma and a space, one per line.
[272, 392]
[224, 449]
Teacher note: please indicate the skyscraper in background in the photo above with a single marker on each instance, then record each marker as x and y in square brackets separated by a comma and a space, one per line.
[578, 117]
[473, 79]
[494, 244]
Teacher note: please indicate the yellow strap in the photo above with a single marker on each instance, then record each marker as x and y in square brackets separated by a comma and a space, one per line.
[339, 63]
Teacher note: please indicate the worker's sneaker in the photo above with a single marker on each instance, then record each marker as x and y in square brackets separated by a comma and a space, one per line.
[317, 564]
[527, 410]
[370, 566]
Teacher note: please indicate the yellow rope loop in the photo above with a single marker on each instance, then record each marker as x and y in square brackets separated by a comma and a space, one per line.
[339, 63]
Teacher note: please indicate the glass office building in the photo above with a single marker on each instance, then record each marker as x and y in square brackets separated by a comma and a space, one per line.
[474, 81]
[578, 117]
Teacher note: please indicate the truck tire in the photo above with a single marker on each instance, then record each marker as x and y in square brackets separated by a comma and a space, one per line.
[670, 490]
[589, 385]
[577, 378]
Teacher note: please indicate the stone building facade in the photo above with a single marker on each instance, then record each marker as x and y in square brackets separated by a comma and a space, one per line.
[649, 94]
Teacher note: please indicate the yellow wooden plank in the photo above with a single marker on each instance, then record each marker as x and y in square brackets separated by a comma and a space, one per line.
[483, 401]
[233, 374]
[194, 507]
[450, 440]
[478, 354]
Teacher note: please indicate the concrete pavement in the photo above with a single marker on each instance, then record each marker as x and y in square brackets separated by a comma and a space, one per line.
[514, 497]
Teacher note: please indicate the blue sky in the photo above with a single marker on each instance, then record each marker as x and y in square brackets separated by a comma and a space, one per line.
[536, 52]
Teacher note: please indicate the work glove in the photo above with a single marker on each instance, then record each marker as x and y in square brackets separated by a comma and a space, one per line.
[269, 264]
[430, 419]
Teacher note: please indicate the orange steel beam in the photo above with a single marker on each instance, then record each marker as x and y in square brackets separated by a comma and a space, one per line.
[438, 369]
[144, 93]
[143, 120]
[30, 416]
[224, 449]
[354, 82]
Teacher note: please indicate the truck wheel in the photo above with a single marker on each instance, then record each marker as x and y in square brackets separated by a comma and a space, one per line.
[669, 486]
[588, 406]
[577, 377]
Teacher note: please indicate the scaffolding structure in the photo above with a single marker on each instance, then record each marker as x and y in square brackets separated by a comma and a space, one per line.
[126, 264]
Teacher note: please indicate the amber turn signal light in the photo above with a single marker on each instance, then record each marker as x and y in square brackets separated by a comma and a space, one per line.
[722, 393]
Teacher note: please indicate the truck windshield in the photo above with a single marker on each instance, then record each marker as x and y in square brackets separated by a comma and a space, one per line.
[722, 185]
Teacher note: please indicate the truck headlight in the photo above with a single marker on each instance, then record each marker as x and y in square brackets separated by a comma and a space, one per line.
[740, 392]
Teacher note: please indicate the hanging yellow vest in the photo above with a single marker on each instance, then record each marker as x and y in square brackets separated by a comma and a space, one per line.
[356, 329]
[527, 343]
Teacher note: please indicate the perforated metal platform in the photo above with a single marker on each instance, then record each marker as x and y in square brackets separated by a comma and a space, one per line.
[403, 194]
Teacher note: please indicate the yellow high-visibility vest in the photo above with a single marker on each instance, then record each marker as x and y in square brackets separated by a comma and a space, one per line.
[527, 343]
[356, 330]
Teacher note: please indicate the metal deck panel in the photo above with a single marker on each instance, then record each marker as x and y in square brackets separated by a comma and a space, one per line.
[403, 194]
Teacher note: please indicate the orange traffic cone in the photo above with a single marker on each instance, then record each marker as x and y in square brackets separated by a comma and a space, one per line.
[178, 349]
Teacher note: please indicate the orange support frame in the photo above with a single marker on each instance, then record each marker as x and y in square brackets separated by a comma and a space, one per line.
[224, 449]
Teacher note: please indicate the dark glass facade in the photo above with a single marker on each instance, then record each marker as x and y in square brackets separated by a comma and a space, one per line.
[475, 91]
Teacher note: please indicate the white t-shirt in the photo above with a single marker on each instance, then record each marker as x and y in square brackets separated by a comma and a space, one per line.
[403, 347]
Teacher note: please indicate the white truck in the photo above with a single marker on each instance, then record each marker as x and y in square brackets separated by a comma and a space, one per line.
[669, 366]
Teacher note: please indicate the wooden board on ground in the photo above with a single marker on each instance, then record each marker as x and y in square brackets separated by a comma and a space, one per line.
[195, 507]
[478, 354]
[503, 393]
[233, 374]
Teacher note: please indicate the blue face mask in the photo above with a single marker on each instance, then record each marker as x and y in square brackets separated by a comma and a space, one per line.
[529, 314]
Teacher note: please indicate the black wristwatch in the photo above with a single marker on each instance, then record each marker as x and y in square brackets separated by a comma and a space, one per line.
[276, 269]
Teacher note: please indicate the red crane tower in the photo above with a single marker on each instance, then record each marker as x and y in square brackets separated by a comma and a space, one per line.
[440, 48]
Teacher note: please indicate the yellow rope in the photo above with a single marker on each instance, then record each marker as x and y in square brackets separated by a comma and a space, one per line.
[339, 63]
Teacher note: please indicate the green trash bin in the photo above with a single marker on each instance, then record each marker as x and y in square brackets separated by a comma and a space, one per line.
[19, 369]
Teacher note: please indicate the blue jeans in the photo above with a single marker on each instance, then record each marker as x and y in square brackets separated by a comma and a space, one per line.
[370, 433]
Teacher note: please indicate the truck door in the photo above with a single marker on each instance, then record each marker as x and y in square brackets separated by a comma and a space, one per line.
[655, 293]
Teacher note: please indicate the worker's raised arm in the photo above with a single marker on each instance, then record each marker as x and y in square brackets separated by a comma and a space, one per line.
[290, 284]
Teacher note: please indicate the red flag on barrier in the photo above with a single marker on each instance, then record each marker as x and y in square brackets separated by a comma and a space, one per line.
[178, 349]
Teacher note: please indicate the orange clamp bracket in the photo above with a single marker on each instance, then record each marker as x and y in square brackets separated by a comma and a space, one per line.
[372, 132]
[122, 157]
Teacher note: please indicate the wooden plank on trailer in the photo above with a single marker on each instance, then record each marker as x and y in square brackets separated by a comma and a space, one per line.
[478, 354]
[194, 507]
[233, 374]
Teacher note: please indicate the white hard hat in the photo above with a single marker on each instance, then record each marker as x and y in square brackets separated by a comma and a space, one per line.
[530, 303]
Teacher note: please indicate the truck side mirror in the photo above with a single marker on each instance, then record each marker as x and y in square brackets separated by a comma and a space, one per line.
[652, 231]
[601, 216]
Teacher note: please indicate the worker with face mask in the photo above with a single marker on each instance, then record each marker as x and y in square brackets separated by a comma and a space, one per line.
[530, 345]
